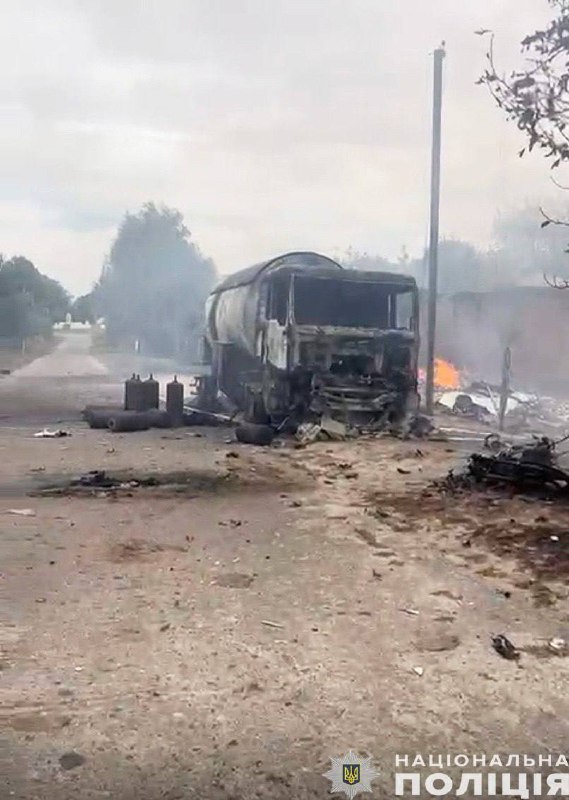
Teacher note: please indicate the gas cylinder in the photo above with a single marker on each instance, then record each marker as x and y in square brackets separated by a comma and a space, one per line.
[127, 421]
[175, 402]
[132, 393]
[151, 393]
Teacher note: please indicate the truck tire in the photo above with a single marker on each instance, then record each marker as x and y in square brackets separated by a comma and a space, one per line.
[256, 412]
[249, 433]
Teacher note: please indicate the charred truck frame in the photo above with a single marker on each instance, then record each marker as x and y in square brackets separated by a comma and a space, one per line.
[301, 337]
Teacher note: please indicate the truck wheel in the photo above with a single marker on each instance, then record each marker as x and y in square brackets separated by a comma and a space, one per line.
[256, 412]
[248, 433]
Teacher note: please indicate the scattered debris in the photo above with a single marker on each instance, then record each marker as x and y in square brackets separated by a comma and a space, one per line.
[234, 580]
[493, 442]
[47, 434]
[21, 512]
[333, 429]
[418, 671]
[504, 647]
[420, 427]
[96, 477]
[71, 760]
[270, 624]
[375, 574]
[524, 467]
[557, 644]
[308, 432]
[411, 611]
[233, 523]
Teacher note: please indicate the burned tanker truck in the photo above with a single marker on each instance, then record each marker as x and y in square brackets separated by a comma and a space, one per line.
[301, 338]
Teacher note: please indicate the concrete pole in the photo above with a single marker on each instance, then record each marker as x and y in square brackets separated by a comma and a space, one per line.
[505, 387]
[439, 55]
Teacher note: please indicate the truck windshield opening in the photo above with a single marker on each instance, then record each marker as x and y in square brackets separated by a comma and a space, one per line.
[352, 304]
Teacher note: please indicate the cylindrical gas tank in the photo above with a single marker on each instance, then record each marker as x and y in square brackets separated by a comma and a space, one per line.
[127, 421]
[175, 402]
[157, 418]
[151, 393]
[132, 393]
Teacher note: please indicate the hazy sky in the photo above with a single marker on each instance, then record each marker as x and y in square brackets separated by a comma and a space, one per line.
[271, 124]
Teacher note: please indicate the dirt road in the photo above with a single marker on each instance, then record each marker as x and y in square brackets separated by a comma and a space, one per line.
[225, 634]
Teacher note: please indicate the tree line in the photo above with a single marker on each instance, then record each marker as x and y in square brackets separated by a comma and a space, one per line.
[522, 251]
[155, 280]
[151, 291]
[30, 302]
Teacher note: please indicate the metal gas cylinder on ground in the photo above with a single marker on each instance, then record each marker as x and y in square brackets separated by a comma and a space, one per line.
[151, 393]
[133, 393]
[175, 402]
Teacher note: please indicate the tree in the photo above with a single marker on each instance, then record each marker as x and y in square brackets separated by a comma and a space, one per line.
[82, 309]
[354, 259]
[524, 251]
[29, 302]
[462, 268]
[536, 96]
[154, 283]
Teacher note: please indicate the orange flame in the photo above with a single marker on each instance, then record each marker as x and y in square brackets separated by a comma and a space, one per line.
[446, 375]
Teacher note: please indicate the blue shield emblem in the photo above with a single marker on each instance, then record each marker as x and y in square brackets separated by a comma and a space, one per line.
[351, 774]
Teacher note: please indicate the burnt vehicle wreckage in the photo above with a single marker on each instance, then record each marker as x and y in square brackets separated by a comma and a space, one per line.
[532, 466]
[299, 338]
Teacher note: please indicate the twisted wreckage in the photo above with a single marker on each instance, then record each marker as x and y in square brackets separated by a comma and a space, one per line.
[299, 337]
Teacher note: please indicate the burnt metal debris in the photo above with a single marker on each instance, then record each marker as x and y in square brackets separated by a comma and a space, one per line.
[527, 467]
[505, 648]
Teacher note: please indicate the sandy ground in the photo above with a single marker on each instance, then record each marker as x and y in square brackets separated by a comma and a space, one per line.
[226, 637]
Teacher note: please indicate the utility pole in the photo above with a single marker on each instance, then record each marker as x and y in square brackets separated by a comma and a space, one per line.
[439, 55]
[505, 387]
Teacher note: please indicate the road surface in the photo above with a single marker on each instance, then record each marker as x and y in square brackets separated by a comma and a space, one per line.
[225, 637]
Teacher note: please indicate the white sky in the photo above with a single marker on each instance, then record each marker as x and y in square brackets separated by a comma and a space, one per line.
[271, 124]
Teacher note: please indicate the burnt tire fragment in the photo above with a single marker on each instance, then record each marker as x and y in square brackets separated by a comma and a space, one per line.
[249, 433]
[128, 422]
